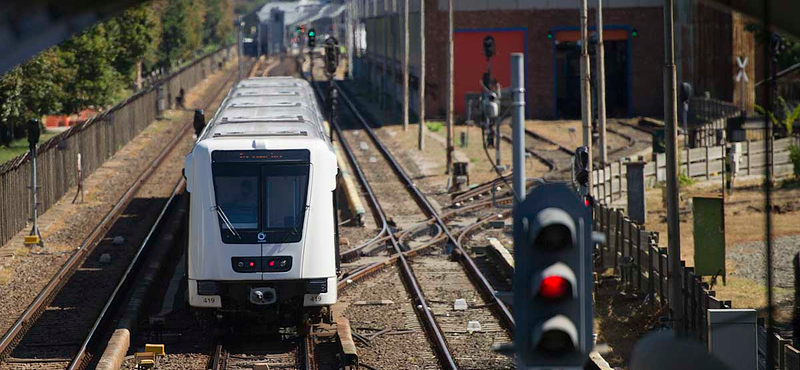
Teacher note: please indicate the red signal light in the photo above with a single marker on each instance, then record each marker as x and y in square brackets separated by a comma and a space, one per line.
[271, 263]
[252, 264]
[554, 287]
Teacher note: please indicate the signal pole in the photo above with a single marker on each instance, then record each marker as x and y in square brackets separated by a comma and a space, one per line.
[671, 128]
[518, 123]
[450, 67]
[586, 88]
[601, 85]
[405, 65]
[421, 140]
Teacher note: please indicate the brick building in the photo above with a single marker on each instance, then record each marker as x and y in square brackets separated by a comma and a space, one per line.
[547, 31]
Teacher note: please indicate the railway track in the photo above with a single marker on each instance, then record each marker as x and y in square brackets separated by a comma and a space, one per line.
[247, 352]
[52, 331]
[434, 278]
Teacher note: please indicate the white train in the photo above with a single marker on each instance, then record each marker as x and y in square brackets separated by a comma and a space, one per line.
[263, 234]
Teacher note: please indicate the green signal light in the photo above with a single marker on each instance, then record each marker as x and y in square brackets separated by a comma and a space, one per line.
[549, 35]
[634, 33]
[312, 33]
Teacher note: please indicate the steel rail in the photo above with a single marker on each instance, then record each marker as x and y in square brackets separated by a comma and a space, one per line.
[423, 310]
[551, 166]
[79, 361]
[483, 285]
[216, 357]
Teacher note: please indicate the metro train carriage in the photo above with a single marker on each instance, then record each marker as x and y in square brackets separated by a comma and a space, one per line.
[263, 237]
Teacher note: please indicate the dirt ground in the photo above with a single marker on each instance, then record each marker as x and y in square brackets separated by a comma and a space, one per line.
[744, 225]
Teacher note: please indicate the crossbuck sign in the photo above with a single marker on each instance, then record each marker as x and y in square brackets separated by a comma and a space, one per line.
[742, 74]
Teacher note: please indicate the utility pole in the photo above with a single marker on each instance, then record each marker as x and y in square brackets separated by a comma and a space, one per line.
[350, 37]
[449, 86]
[671, 128]
[586, 88]
[405, 65]
[421, 142]
[601, 85]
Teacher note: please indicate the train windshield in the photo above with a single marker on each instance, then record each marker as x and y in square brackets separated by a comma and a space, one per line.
[261, 203]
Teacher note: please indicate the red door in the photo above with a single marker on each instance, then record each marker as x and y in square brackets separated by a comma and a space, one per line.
[471, 63]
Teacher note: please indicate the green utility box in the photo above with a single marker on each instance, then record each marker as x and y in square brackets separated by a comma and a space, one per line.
[709, 236]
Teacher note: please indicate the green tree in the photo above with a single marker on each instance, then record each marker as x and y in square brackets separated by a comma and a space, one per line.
[137, 37]
[182, 22]
[10, 103]
[92, 53]
[43, 84]
[218, 22]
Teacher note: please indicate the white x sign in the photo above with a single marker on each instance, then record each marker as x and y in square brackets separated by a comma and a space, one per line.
[742, 74]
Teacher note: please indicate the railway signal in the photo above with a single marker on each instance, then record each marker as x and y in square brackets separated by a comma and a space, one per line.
[488, 46]
[553, 279]
[580, 169]
[331, 55]
[34, 132]
[685, 95]
[312, 38]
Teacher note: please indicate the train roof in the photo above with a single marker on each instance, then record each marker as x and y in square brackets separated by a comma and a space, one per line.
[269, 106]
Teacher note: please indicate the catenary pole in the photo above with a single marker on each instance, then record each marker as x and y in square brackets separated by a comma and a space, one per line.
[671, 127]
[601, 85]
[421, 141]
[450, 67]
[586, 88]
[405, 64]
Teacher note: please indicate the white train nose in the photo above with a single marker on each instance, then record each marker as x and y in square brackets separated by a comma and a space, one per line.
[262, 296]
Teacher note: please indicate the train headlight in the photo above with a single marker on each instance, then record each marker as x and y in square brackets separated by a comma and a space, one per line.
[207, 288]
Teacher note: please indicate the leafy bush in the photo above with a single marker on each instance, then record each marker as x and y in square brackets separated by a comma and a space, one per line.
[794, 156]
[787, 121]
[685, 180]
[434, 126]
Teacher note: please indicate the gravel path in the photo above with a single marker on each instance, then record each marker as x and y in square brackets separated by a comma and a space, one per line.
[388, 351]
[751, 264]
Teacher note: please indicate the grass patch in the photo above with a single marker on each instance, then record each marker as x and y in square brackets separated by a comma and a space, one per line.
[685, 180]
[21, 146]
[434, 126]
[473, 160]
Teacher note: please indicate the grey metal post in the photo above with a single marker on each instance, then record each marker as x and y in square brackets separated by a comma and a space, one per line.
[405, 64]
[637, 207]
[601, 85]
[421, 140]
[586, 88]
[518, 122]
[671, 128]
